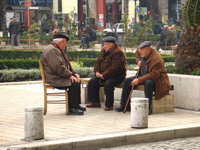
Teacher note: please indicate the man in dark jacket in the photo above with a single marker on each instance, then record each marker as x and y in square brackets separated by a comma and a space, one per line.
[152, 74]
[109, 71]
[14, 29]
[166, 38]
[59, 73]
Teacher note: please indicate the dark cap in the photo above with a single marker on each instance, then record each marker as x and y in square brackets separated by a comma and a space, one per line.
[145, 44]
[109, 39]
[59, 35]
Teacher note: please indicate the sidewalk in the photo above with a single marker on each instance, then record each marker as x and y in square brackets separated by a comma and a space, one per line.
[94, 130]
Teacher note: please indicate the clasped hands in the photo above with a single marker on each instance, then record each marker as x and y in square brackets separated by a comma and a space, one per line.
[99, 75]
[75, 78]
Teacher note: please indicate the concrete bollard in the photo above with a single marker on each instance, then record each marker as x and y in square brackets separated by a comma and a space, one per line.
[139, 112]
[34, 123]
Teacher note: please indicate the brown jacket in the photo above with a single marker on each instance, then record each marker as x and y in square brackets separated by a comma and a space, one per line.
[157, 72]
[55, 67]
[111, 63]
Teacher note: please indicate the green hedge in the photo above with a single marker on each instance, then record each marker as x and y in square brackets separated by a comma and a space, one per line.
[19, 54]
[19, 63]
[89, 62]
[13, 75]
[19, 75]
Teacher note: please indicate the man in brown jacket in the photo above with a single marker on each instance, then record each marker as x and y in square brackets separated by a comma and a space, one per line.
[109, 71]
[152, 74]
[59, 73]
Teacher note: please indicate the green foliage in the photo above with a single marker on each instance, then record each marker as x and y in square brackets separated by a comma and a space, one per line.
[74, 55]
[34, 74]
[192, 13]
[72, 27]
[16, 54]
[86, 62]
[86, 72]
[19, 63]
[33, 32]
[19, 75]
[45, 39]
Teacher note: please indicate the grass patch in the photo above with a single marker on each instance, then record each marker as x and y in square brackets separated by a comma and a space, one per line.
[75, 64]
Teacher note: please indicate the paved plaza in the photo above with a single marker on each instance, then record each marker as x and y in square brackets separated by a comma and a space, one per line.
[89, 131]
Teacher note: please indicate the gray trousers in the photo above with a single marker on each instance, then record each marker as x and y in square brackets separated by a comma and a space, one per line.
[15, 39]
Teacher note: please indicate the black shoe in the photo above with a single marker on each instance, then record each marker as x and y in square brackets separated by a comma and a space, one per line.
[121, 109]
[150, 111]
[81, 108]
[74, 111]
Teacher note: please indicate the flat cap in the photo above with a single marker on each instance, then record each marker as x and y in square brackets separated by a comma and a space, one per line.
[109, 39]
[59, 35]
[145, 44]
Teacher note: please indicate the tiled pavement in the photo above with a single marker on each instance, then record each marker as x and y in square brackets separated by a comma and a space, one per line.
[94, 124]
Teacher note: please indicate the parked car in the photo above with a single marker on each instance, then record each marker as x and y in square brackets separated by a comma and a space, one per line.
[119, 27]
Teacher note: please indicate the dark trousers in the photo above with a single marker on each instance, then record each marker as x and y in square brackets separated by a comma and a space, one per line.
[149, 88]
[73, 94]
[109, 85]
[15, 39]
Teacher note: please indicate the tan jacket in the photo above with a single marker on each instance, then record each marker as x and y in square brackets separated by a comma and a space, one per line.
[156, 71]
[55, 67]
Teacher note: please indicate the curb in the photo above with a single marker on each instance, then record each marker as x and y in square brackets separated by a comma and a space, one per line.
[113, 140]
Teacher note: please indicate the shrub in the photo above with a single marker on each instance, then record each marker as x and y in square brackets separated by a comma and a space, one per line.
[19, 63]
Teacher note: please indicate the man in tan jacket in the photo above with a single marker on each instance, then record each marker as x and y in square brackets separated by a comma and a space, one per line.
[152, 74]
[59, 72]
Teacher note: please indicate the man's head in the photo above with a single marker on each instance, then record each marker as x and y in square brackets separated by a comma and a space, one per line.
[109, 42]
[60, 40]
[145, 48]
[165, 27]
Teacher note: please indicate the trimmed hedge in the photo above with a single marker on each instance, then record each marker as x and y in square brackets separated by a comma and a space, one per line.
[29, 59]
[16, 54]
[19, 63]
[34, 74]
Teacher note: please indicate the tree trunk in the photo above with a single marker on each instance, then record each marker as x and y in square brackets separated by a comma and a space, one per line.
[153, 7]
[188, 51]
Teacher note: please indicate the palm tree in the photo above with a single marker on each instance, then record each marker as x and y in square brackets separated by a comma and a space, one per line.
[188, 49]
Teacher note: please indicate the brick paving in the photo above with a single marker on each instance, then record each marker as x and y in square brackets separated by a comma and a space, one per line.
[58, 126]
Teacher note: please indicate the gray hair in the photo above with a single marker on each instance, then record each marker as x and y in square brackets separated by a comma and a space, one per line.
[58, 39]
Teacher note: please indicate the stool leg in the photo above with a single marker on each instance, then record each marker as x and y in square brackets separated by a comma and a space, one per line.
[45, 103]
[67, 102]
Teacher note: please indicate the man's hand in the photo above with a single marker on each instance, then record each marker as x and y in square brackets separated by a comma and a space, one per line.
[77, 76]
[135, 82]
[74, 79]
[98, 75]
[139, 63]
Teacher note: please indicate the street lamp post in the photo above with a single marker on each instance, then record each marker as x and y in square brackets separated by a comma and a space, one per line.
[60, 17]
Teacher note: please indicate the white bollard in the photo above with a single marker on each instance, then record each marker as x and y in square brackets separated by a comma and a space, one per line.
[34, 123]
[139, 112]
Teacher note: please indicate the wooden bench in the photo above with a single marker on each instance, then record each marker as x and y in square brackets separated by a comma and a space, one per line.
[165, 104]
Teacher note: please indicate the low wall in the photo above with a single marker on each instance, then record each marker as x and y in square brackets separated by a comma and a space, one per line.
[186, 91]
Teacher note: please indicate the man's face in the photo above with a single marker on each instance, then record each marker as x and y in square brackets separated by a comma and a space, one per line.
[108, 45]
[63, 44]
[144, 52]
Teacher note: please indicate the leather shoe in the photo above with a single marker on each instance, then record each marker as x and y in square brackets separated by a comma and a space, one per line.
[150, 111]
[93, 105]
[74, 111]
[81, 108]
[121, 109]
[108, 108]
